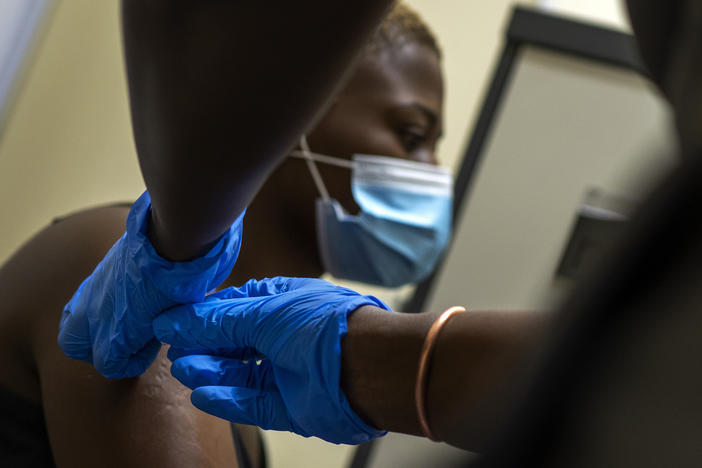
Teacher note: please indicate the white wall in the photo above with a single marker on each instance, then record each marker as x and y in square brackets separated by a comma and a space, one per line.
[608, 12]
[68, 144]
[19, 22]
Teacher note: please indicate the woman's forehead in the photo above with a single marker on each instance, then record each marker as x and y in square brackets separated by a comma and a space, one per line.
[409, 73]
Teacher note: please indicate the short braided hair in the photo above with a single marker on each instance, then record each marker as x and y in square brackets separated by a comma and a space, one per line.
[402, 26]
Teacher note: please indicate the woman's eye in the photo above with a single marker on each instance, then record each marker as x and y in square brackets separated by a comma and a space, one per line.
[411, 138]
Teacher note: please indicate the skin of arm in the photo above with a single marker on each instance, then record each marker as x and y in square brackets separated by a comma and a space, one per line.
[91, 420]
[479, 358]
[220, 92]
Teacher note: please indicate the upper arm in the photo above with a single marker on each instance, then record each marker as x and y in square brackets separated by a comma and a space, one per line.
[147, 421]
[91, 420]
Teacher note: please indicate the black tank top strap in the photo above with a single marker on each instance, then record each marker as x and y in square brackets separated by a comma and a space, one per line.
[242, 456]
[23, 438]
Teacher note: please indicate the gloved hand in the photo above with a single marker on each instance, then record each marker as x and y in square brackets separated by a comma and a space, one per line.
[108, 321]
[298, 325]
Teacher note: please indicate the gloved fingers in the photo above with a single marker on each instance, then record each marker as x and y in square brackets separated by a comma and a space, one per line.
[244, 353]
[209, 325]
[231, 292]
[133, 366]
[74, 331]
[75, 346]
[281, 284]
[244, 406]
[201, 371]
[252, 288]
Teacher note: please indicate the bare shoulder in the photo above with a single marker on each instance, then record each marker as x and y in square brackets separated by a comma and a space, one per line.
[142, 422]
[39, 278]
[53, 259]
[147, 421]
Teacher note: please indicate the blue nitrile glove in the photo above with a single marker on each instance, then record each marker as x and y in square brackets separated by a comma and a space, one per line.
[108, 321]
[297, 324]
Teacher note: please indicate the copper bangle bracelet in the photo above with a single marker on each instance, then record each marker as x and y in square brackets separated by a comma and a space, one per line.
[420, 388]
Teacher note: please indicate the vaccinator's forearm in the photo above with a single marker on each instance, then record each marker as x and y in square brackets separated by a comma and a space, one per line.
[478, 366]
[220, 91]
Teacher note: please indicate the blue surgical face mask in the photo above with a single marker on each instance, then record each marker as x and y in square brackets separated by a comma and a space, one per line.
[402, 229]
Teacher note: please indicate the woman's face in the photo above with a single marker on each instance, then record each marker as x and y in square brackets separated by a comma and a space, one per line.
[392, 106]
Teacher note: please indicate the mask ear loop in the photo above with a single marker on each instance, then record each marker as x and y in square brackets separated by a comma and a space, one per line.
[307, 154]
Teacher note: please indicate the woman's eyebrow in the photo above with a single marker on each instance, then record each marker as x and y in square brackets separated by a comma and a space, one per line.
[430, 115]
